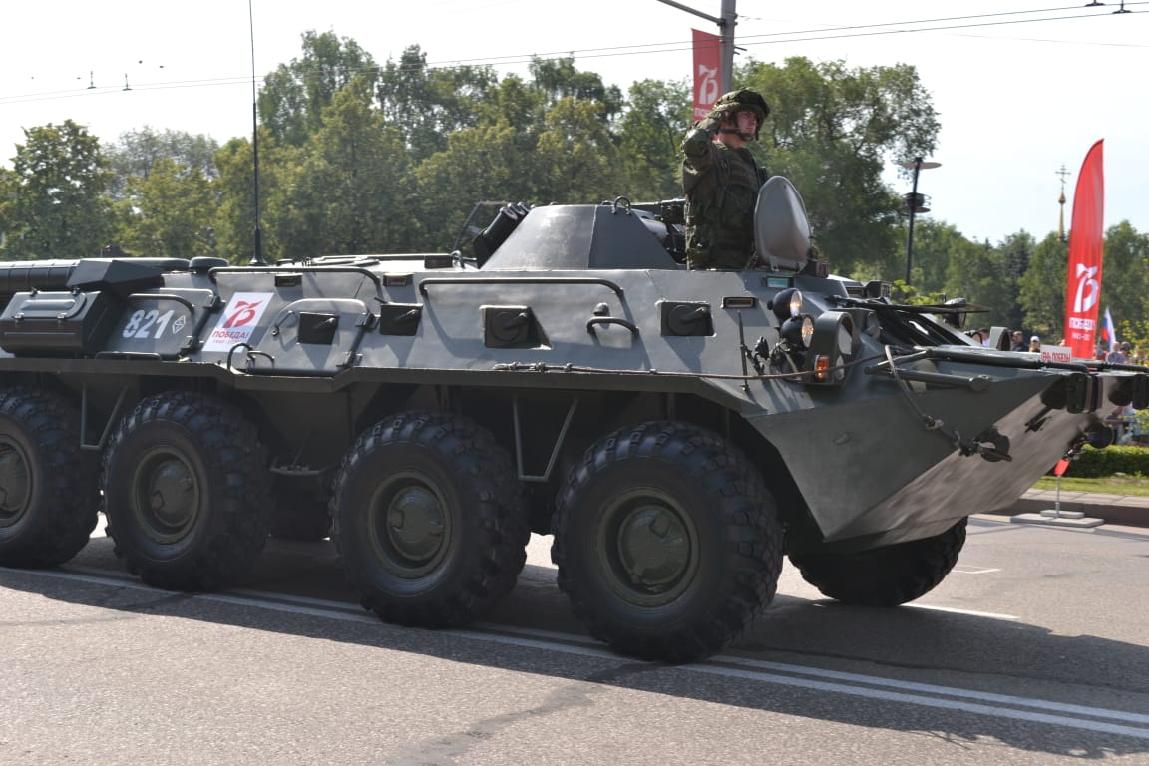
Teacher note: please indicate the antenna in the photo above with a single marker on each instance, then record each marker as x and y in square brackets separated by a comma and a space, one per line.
[257, 254]
[1061, 202]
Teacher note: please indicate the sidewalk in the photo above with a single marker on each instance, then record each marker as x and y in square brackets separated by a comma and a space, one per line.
[1116, 509]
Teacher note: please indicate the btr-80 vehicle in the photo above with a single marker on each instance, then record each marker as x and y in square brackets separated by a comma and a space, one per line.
[677, 431]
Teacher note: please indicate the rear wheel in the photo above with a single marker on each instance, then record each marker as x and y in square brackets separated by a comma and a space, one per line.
[48, 497]
[186, 492]
[667, 541]
[429, 519]
[885, 576]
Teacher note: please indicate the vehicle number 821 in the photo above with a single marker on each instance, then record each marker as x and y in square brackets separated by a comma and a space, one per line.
[147, 324]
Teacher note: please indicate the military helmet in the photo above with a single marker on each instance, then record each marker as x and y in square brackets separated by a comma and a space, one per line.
[744, 98]
[737, 100]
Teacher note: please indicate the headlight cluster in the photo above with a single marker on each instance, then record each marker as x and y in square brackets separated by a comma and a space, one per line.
[797, 329]
[821, 345]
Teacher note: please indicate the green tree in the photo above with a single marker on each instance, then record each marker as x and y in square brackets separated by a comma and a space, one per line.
[577, 160]
[481, 163]
[978, 272]
[560, 79]
[833, 131]
[9, 183]
[172, 209]
[427, 105]
[57, 206]
[1017, 249]
[137, 151]
[936, 244]
[1043, 288]
[1125, 273]
[235, 213]
[348, 194]
[293, 97]
[650, 132]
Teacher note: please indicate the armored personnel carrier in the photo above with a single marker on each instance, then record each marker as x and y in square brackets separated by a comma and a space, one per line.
[677, 431]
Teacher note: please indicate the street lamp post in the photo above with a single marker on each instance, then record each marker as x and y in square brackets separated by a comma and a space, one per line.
[917, 204]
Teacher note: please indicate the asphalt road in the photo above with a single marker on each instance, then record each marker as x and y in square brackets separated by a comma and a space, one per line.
[1034, 651]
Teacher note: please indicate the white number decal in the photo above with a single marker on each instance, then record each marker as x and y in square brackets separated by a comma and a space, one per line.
[146, 327]
[140, 323]
[162, 321]
[134, 323]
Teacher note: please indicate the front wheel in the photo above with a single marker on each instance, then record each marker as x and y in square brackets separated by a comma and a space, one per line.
[885, 576]
[667, 541]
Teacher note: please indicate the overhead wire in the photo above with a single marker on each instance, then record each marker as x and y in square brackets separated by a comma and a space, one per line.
[774, 38]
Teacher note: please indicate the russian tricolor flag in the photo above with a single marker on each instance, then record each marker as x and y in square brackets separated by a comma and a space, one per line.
[1107, 332]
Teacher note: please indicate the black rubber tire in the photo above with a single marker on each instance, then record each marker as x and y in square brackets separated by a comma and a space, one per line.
[48, 497]
[222, 460]
[478, 495]
[299, 512]
[728, 521]
[885, 576]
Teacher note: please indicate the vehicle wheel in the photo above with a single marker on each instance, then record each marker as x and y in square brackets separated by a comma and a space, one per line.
[48, 497]
[885, 576]
[187, 492]
[667, 541]
[429, 519]
[299, 511]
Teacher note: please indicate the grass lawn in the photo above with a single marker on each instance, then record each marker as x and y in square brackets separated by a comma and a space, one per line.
[1109, 485]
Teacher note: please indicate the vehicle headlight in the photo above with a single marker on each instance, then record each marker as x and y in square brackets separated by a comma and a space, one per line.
[787, 304]
[798, 331]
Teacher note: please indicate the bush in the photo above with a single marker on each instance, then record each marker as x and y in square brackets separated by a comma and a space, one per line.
[1092, 463]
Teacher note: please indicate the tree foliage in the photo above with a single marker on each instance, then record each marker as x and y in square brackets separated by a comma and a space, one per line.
[58, 206]
[426, 105]
[832, 130]
[293, 97]
[1043, 288]
[360, 158]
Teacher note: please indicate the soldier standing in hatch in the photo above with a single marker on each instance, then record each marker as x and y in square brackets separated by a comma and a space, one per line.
[721, 181]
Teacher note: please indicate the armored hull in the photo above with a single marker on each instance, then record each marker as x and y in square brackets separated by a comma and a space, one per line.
[676, 431]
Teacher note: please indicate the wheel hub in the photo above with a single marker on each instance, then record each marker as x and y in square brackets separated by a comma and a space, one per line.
[410, 525]
[15, 483]
[167, 496]
[415, 523]
[653, 546]
[649, 547]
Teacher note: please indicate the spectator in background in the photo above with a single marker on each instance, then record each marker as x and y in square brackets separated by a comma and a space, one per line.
[1035, 344]
[1120, 355]
[1016, 341]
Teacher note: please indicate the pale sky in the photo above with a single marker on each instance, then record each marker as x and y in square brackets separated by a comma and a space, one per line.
[1016, 101]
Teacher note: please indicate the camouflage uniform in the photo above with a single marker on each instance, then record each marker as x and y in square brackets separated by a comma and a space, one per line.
[721, 186]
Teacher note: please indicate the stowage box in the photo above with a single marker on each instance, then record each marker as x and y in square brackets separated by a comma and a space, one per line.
[58, 322]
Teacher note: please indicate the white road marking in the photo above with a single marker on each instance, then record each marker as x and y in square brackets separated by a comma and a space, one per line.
[955, 610]
[1003, 706]
[973, 570]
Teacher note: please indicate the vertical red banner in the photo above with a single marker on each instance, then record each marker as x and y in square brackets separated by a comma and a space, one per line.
[1086, 243]
[707, 66]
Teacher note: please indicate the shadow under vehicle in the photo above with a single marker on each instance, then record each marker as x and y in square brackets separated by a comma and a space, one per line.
[677, 431]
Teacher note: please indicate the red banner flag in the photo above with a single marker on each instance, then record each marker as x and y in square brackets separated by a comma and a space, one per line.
[1083, 272]
[706, 72]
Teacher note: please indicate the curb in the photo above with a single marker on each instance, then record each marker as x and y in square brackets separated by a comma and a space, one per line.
[1115, 509]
